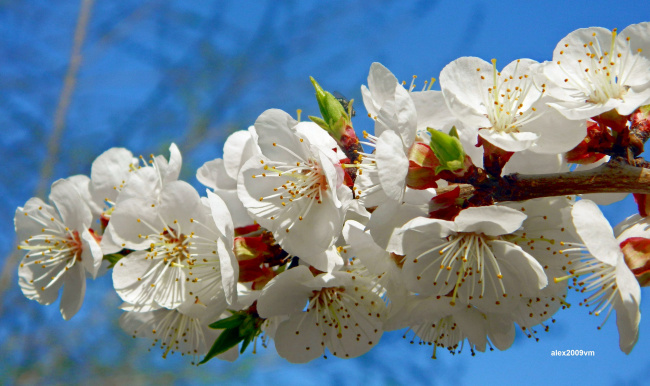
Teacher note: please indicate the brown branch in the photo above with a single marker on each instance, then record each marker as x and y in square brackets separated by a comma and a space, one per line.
[613, 177]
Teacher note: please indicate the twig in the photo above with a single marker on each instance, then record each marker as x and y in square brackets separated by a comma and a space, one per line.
[59, 126]
[612, 177]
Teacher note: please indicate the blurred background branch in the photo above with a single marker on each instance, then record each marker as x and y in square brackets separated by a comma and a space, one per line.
[193, 72]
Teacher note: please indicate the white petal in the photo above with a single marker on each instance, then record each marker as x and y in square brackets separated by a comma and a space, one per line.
[527, 274]
[74, 212]
[628, 315]
[556, 133]
[221, 215]
[365, 249]
[381, 87]
[328, 260]
[432, 111]
[490, 220]
[595, 232]
[386, 218]
[316, 136]
[298, 339]
[529, 162]
[27, 226]
[463, 89]
[173, 167]
[393, 164]
[285, 293]
[229, 271]
[236, 150]
[579, 110]
[92, 254]
[472, 323]
[277, 127]
[240, 216]
[179, 202]
[34, 284]
[633, 99]
[73, 291]
[501, 331]
[213, 175]
[633, 226]
[509, 141]
[110, 170]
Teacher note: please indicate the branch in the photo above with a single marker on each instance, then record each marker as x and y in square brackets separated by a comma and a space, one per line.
[65, 98]
[612, 177]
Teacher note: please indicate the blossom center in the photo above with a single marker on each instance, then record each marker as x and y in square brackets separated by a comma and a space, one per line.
[172, 246]
[504, 100]
[56, 250]
[467, 267]
[604, 70]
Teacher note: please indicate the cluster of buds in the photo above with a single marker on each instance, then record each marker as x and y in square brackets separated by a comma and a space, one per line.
[319, 240]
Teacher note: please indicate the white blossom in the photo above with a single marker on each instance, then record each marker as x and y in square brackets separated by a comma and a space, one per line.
[60, 248]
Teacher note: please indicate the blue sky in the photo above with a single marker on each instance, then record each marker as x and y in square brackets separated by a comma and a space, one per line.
[177, 71]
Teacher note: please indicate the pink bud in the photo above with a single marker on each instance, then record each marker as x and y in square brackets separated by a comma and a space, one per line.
[637, 257]
[422, 166]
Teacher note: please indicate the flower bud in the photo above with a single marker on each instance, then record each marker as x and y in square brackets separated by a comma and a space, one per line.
[613, 120]
[337, 122]
[422, 167]
[643, 203]
[589, 150]
[335, 119]
[250, 248]
[494, 157]
[446, 206]
[640, 128]
[637, 257]
[448, 150]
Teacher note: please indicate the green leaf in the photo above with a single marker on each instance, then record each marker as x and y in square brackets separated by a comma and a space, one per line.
[230, 322]
[113, 258]
[228, 339]
[245, 343]
[453, 132]
[320, 122]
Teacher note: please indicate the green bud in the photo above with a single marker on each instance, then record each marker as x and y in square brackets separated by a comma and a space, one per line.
[448, 149]
[335, 118]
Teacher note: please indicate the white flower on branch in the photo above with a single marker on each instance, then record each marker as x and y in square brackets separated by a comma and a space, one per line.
[295, 189]
[60, 248]
[595, 70]
[184, 330]
[507, 107]
[171, 237]
[598, 266]
[471, 259]
[341, 311]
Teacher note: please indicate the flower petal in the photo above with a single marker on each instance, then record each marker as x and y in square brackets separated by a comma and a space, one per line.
[595, 232]
[73, 291]
[490, 220]
[393, 164]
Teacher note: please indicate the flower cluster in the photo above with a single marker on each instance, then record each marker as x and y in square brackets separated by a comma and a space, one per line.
[306, 238]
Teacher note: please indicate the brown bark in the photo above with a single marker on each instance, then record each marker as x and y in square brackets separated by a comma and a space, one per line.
[613, 177]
